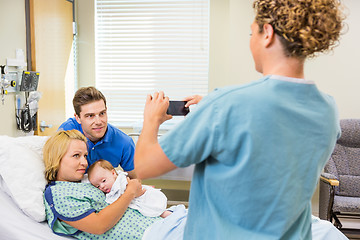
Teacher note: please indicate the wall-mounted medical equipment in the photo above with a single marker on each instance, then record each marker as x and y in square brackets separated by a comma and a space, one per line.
[27, 105]
[15, 68]
[5, 82]
[24, 83]
[29, 81]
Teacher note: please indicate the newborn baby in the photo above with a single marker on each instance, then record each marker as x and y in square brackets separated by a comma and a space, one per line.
[113, 183]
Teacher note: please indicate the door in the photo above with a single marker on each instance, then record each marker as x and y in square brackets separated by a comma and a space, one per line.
[52, 56]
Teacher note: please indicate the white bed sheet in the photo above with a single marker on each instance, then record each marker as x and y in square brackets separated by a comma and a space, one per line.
[15, 225]
[325, 230]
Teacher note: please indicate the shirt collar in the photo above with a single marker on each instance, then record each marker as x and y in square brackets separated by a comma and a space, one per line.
[108, 134]
[290, 79]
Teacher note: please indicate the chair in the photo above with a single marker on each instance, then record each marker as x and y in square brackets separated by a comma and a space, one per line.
[340, 181]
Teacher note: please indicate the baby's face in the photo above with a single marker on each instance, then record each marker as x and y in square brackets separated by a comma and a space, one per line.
[102, 178]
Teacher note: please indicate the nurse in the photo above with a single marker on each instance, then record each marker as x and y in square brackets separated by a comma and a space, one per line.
[258, 148]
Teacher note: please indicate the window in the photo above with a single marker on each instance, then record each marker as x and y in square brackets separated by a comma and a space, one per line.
[142, 46]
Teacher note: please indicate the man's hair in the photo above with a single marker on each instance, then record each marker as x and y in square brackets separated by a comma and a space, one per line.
[86, 95]
[101, 163]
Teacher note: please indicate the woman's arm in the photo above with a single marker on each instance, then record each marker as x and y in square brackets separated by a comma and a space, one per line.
[99, 223]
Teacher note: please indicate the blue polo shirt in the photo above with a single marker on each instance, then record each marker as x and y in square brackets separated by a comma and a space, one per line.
[115, 147]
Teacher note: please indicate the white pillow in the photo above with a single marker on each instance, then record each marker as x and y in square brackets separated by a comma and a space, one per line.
[22, 169]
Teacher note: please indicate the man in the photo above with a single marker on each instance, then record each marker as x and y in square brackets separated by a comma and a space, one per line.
[104, 140]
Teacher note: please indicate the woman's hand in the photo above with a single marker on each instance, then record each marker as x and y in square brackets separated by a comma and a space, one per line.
[155, 108]
[191, 100]
[134, 186]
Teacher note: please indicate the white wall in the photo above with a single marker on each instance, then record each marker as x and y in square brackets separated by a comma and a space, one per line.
[13, 36]
[231, 61]
[86, 43]
[337, 74]
[230, 57]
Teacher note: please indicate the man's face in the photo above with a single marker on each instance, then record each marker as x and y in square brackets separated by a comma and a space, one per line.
[93, 120]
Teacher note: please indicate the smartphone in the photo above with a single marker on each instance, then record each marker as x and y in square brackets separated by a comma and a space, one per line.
[177, 108]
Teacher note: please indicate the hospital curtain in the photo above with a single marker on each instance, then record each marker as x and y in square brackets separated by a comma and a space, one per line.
[144, 46]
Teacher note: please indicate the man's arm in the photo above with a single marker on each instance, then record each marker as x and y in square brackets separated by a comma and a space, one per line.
[132, 174]
[150, 160]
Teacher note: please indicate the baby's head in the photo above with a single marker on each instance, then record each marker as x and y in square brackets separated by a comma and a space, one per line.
[102, 175]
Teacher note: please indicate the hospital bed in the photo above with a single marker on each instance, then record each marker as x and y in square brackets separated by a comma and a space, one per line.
[22, 213]
[15, 225]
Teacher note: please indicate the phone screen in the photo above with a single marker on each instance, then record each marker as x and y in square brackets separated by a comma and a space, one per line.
[177, 108]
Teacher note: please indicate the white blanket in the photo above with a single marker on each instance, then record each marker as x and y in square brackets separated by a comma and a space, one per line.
[325, 230]
[152, 203]
[173, 227]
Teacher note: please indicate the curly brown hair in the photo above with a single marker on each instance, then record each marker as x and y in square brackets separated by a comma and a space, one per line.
[305, 27]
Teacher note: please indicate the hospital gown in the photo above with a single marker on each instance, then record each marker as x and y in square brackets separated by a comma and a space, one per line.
[73, 201]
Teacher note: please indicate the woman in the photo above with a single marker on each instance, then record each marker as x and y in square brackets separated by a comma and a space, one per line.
[259, 148]
[79, 209]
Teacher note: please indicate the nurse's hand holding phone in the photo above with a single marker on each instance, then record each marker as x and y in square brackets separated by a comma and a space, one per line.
[191, 100]
[177, 108]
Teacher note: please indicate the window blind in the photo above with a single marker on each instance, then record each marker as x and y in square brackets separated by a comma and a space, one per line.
[143, 46]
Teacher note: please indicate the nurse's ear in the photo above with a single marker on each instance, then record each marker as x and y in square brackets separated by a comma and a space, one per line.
[269, 34]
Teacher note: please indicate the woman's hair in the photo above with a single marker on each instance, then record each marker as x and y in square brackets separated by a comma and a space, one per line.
[305, 27]
[101, 163]
[55, 149]
[86, 95]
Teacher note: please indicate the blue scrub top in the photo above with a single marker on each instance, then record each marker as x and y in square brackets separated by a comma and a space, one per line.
[115, 147]
[259, 150]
